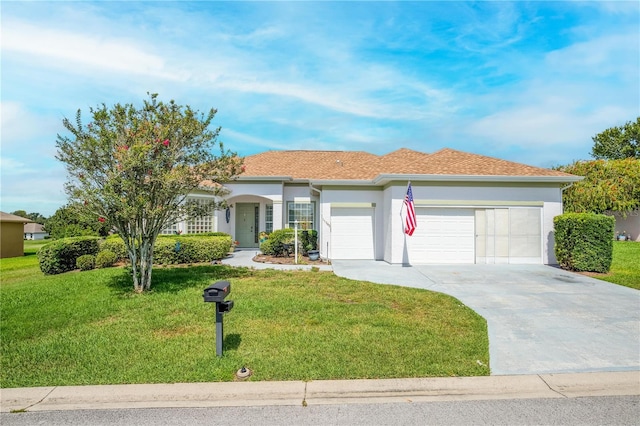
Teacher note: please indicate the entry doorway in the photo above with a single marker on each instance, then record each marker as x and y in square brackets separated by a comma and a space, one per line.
[247, 222]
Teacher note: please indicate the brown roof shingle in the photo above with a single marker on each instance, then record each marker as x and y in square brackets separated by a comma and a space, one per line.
[359, 165]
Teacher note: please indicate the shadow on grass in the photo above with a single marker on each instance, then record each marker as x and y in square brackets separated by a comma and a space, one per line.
[232, 341]
[177, 278]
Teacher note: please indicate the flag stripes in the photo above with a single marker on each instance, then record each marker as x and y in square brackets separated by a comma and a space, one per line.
[410, 214]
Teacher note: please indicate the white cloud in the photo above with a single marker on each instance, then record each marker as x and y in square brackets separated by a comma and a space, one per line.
[70, 50]
[614, 54]
[244, 139]
[19, 124]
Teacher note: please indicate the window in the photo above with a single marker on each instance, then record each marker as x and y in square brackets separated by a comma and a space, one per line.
[171, 229]
[268, 219]
[304, 213]
[203, 223]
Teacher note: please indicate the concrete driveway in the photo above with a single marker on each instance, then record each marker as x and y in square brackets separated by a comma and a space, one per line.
[541, 319]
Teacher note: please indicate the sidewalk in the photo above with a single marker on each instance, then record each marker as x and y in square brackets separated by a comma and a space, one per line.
[323, 392]
[244, 257]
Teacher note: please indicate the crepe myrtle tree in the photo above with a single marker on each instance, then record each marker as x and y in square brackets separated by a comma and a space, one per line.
[132, 169]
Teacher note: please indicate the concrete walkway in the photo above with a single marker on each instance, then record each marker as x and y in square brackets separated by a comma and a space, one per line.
[337, 392]
[244, 257]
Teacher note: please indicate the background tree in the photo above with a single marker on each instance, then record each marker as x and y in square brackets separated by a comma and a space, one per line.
[72, 221]
[133, 169]
[608, 185]
[35, 217]
[618, 143]
[21, 213]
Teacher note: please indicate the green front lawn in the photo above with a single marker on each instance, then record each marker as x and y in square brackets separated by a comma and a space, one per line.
[89, 328]
[625, 268]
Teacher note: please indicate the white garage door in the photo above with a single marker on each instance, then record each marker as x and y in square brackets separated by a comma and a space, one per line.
[443, 235]
[352, 233]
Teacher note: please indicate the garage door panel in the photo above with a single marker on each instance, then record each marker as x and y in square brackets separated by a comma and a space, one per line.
[443, 236]
[510, 235]
[352, 233]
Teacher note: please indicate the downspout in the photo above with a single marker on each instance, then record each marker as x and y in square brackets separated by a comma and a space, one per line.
[322, 219]
[566, 187]
[562, 192]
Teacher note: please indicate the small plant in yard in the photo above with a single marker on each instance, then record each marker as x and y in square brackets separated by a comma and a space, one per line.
[105, 259]
[86, 262]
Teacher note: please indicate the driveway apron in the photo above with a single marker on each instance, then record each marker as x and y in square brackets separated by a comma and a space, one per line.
[541, 319]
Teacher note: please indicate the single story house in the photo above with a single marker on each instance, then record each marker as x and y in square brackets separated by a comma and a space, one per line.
[470, 208]
[34, 231]
[11, 235]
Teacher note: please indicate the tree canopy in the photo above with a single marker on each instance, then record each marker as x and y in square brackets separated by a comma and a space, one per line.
[35, 216]
[132, 169]
[608, 185]
[72, 221]
[618, 143]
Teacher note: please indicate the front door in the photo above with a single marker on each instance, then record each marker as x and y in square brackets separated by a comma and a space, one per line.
[247, 220]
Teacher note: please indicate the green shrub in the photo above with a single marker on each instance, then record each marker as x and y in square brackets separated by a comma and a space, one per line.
[191, 248]
[273, 246]
[175, 249]
[267, 247]
[584, 241]
[86, 262]
[60, 256]
[105, 259]
[308, 240]
[115, 244]
[165, 251]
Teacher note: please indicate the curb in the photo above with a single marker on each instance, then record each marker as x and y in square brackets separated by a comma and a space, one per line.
[322, 392]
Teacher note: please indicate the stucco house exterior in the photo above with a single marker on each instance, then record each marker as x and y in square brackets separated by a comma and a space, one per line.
[627, 226]
[34, 231]
[11, 235]
[470, 208]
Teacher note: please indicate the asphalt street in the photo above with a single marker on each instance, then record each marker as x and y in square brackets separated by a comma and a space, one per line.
[619, 410]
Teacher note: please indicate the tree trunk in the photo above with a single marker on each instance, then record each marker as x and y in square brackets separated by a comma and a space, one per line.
[141, 257]
[146, 263]
[135, 266]
[140, 248]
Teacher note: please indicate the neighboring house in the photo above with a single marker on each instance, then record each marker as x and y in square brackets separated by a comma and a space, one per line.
[470, 208]
[11, 235]
[34, 231]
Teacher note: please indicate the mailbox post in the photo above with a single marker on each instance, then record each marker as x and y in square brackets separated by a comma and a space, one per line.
[216, 293]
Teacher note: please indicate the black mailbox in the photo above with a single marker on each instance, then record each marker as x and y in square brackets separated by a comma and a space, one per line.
[225, 306]
[217, 292]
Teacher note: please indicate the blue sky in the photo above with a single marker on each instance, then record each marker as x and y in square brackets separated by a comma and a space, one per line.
[530, 82]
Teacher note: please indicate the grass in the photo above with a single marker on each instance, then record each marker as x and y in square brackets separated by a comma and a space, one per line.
[625, 268]
[90, 328]
[17, 269]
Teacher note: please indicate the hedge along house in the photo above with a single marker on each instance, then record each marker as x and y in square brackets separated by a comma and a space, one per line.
[470, 208]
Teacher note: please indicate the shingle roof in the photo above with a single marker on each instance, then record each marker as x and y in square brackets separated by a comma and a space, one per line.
[359, 165]
[6, 217]
[33, 228]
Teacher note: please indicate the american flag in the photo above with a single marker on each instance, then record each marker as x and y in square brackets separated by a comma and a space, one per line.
[410, 217]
